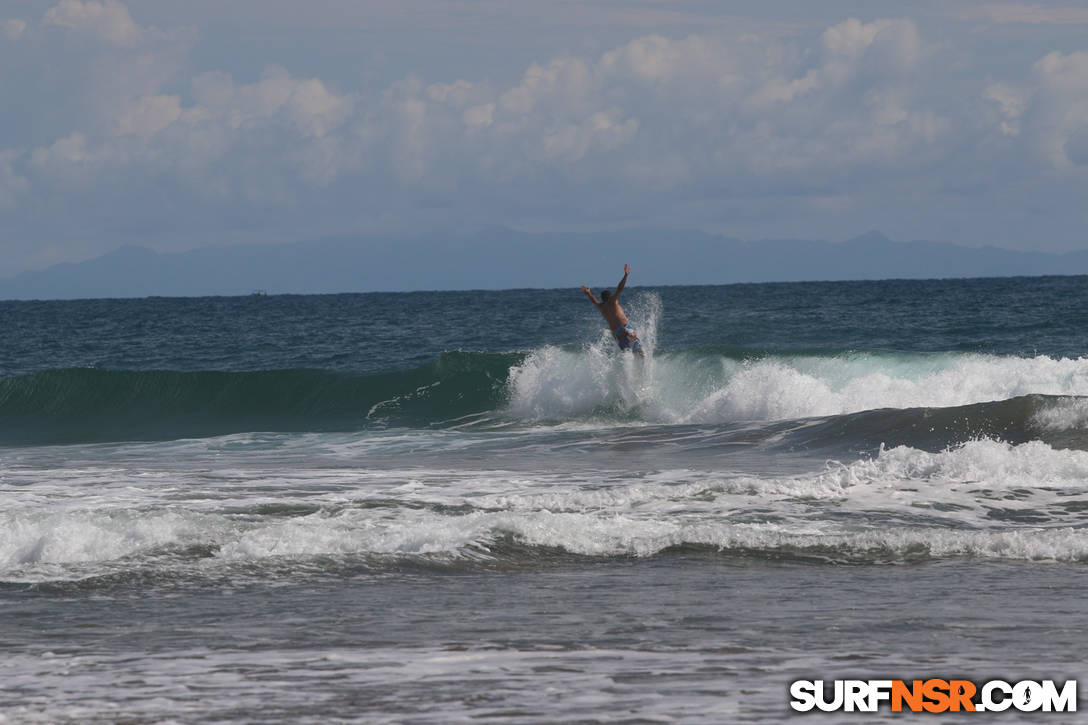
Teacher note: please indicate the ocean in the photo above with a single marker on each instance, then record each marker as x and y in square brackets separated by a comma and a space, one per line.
[455, 507]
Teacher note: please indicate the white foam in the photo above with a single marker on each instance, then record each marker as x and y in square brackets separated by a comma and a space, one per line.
[1063, 414]
[936, 503]
[994, 464]
[553, 384]
[943, 503]
[355, 531]
[74, 536]
[614, 534]
[985, 498]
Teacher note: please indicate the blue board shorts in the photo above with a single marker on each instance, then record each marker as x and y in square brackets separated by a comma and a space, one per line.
[627, 338]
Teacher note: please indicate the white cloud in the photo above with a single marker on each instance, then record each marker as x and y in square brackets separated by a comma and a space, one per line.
[851, 38]
[11, 183]
[459, 93]
[150, 115]
[881, 50]
[566, 82]
[657, 59]
[109, 19]
[315, 110]
[637, 130]
[67, 159]
[696, 107]
[101, 65]
[896, 41]
[572, 141]
[1012, 102]
[1058, 120]
[481, 115]
[307, 104]
[404, 125]
[235, 138]
[14, 28]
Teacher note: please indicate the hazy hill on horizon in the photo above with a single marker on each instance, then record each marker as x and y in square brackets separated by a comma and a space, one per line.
[500, 258]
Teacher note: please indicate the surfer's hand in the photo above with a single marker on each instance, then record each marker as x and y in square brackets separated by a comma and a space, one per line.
[585, 289]
[626, 270]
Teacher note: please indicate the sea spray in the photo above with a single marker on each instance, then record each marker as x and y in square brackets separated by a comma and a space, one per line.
[596, 380]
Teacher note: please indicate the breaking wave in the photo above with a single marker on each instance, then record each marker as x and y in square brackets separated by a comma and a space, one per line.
[918, 399]
[985, 500]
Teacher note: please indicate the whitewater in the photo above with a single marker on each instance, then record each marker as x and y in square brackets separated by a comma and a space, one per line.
[417, 508]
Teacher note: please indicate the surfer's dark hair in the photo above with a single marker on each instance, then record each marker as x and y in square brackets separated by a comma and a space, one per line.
[605, 294]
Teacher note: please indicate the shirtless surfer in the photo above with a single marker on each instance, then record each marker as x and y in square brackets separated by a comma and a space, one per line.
[609, 306]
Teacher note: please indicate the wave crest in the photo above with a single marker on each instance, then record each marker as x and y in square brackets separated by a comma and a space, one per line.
[709, 387]
[591, 384]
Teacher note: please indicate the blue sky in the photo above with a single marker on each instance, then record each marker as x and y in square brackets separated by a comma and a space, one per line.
[178, 125]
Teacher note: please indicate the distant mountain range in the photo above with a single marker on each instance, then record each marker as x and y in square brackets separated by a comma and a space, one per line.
[500, 258]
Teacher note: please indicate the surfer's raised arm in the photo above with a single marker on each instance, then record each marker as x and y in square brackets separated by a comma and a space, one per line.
[623, 282]
[589, 294]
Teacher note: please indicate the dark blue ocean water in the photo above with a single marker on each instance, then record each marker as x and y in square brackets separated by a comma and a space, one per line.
[442, 507]
[384, 332]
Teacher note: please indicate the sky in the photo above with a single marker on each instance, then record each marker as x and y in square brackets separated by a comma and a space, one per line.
[178, 125]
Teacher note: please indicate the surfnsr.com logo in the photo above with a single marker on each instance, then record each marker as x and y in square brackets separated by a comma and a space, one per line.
[933, 695]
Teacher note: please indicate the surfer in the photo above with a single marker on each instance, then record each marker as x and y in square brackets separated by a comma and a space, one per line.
[609, 306]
